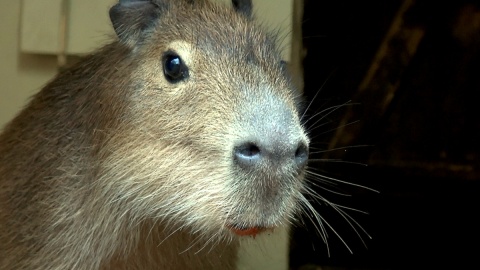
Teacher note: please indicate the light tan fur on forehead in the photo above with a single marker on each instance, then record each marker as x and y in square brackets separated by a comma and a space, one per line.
[218, 29]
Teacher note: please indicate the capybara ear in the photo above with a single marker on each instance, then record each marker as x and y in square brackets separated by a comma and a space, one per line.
[243, 6]
[130, 18]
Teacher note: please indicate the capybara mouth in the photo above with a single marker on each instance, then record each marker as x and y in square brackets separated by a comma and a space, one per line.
[247, 231]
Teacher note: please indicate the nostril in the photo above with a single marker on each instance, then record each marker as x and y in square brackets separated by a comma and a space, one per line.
[301, 155]
[247, 154]
[248, 150]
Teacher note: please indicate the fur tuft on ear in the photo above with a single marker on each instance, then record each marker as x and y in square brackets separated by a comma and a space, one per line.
[243, 6]
[130, 18]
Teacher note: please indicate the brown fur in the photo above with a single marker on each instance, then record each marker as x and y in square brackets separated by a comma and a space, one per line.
[111, 166]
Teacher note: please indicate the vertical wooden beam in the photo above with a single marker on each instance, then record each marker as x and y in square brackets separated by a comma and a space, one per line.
[382, 79]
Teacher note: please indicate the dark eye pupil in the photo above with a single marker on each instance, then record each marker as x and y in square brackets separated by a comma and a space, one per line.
[173, 65]
[174, 69]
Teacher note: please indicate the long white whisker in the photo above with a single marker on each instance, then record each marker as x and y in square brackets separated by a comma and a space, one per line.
[318, 220]
[333, 129]
[327, 189]
[329, 110]
[338, 235]
[340, 181]
[349, 220]
[337, 161]
[316, 94]
[340, 148]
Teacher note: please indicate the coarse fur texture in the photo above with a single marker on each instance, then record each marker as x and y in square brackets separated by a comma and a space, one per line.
[113, 165]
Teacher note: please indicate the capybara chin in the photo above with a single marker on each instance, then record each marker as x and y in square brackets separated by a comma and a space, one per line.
[159, 151]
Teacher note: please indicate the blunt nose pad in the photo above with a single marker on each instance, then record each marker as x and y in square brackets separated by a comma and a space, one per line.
[249, 154]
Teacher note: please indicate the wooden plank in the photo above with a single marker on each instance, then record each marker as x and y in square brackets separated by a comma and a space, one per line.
[382, 78]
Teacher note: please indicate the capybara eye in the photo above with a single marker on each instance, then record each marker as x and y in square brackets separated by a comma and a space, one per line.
[174, 68]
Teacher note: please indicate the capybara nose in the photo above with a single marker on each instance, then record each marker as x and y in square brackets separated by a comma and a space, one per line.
[252, 155]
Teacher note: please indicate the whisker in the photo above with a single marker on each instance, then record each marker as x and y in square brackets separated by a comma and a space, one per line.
[334, 129]
[337, 161]
[350, 208]
[317, 196]
[341, 148]
[306, 205]
[340, 181]
[351, 221]
[328, 111]
[328, 190]
[317, 177]
[316, 94]
[335, 232]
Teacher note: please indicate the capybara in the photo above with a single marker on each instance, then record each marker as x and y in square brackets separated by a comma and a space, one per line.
[158, 151]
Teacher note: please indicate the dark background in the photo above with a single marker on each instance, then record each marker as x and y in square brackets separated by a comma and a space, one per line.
[409, 72]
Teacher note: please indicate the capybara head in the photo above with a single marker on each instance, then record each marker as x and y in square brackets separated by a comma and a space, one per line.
[211, 137]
